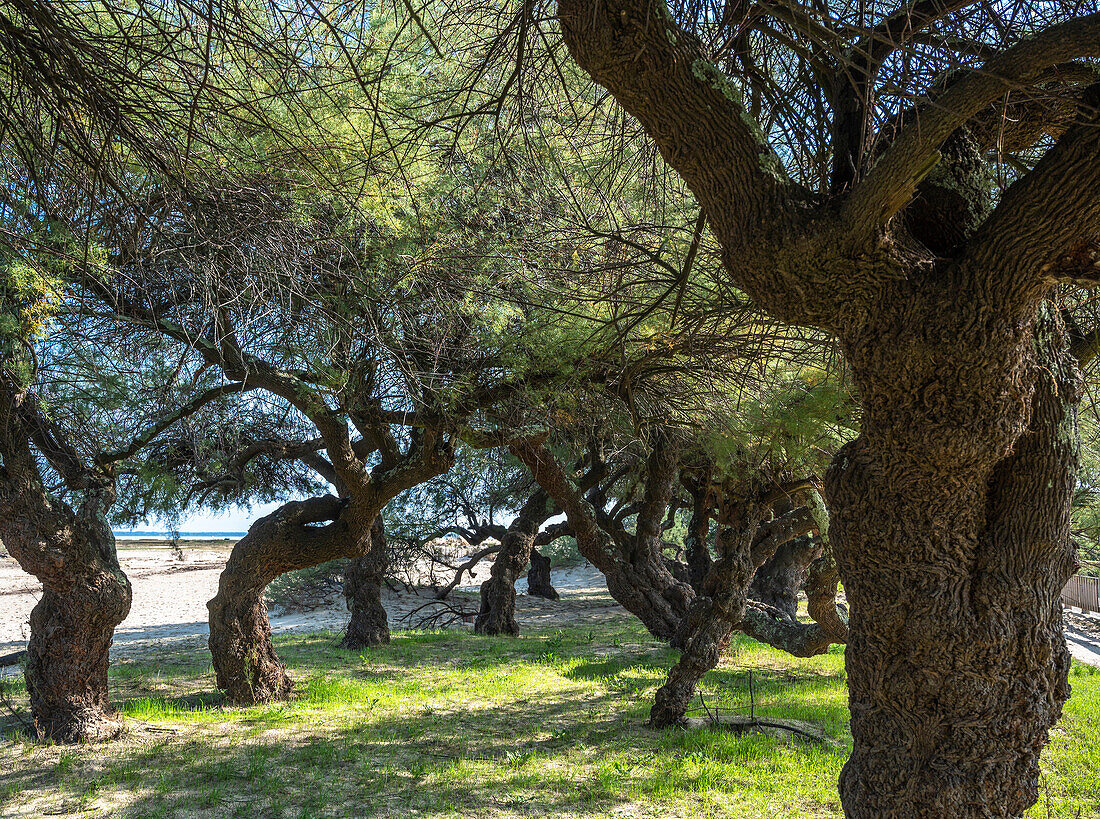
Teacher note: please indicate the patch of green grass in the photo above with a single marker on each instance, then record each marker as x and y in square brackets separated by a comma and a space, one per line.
[448, 724]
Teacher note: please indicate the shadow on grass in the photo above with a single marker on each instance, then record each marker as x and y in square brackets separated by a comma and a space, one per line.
[443, 724]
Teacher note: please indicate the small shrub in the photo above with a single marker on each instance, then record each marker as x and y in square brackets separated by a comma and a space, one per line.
[307, 589]
[562, 552]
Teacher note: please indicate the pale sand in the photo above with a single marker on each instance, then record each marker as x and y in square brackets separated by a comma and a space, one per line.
[169, 604]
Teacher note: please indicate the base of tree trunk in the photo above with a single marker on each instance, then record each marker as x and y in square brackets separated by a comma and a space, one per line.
[369, 625]
[68, 655]
[498, 608]
[707, 636]
[245, 662]
[538, 577]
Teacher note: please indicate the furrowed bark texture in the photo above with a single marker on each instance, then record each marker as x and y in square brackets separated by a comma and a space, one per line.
[247, 667]
[85, 594]
[719, 608]
[744, 544]
[697, 543]
[369, 624]
[498, 593]
[953, 532]
[951, 508]
[777, 582]
[538, 577]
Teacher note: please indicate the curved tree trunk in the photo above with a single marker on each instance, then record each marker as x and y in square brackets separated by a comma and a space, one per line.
[247, 667]
[777, 582]
[498, 593]
[635, 569]
[705, 631]
[85, 593]
[723, 605]
[538, 577]
[369, 624]
[72, 628]
[953, 554]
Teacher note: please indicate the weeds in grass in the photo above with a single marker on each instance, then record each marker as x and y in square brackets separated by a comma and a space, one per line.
[447, 724]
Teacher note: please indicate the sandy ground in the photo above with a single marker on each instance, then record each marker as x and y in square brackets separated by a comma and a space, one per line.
[169, 604]
[1083, 635]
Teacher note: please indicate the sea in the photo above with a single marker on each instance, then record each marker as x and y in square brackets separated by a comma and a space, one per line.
[156, 534]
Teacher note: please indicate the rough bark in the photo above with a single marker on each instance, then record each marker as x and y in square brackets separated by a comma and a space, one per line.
[369, 624]
[498, 594]
[706, 630]
[85, 593]
[85, 596]
[633, 565]
[951, 507]
[777, 582]
[245, 662]
[698, 537]
[744, 545]
[538, 577]
[953, 544]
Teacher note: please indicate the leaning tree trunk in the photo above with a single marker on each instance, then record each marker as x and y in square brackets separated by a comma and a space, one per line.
[633, 565]
[369, 623]
[498, 593]
[85, 593]
[538, 577]
[951, 531]
[85, 596]
[744, 545]
[705, 631]
[777, 582]
[244, 658]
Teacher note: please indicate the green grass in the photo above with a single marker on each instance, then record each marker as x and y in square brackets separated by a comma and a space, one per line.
[445, 724]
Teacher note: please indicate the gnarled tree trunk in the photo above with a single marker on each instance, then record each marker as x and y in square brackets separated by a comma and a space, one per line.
[538, 577]
[85, 593]
[777, 582]
[723, 605]
[247, 667]
[633, 565]
[953, 545]
[498, 593]
[705, 632]
[85, 596]
[369, 624]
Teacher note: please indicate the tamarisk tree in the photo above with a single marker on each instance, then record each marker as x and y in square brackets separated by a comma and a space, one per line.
[78, 410]
[857, 200]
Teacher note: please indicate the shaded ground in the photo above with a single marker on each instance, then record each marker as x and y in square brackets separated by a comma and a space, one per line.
[170, 596]
[448, 724]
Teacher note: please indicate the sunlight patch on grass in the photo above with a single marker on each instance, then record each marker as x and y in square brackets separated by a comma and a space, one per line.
[448, 724]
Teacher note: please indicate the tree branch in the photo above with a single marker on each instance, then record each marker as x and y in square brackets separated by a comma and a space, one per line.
[890, 185]
[658, 73]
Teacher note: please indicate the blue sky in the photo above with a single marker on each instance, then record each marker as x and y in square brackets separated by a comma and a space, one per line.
[237, 520]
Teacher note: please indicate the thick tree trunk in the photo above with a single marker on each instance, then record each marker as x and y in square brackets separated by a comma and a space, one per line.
[369, 624]
[498, 593]
[245, 662]
[85, 593]
[72, 628]
[952, 538]
[777, 582]
[244, 658]
[538, 577]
